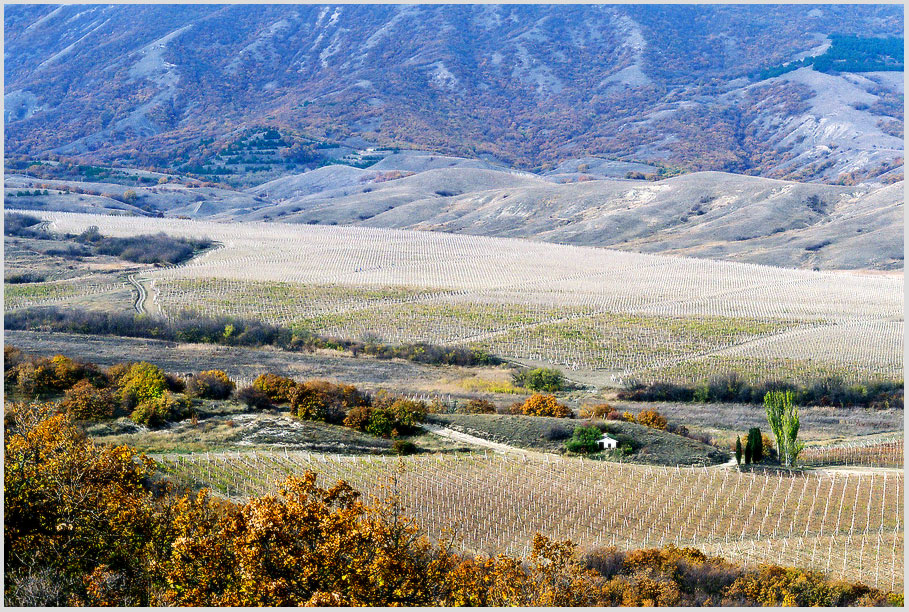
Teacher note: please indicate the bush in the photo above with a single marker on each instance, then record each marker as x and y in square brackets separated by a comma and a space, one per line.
[545, 406]
[35, 376]
[358, 418]
[387, 416]
[253, 398]
[598, 411]
[514, 408]
[86, 402]
[158, 411]
[539, 379]
[140, 383]
[210, 384]
[479, 406]
[25, 277]
[651, 418]
[403, 447]
[278, 389]
[584, 440]
[556, 432]
[320, 400]
[24, 226]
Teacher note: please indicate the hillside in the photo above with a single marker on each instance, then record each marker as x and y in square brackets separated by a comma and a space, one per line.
[708, 214]
[711, 215]
[534, 87]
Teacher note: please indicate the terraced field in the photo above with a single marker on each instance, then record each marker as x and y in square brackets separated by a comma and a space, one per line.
[848, 525]
[614, 314]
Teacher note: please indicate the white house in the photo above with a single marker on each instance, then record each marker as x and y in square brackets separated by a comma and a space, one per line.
[607, 442]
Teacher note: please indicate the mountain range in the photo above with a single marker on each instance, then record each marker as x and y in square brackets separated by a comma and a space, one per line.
[796, 92]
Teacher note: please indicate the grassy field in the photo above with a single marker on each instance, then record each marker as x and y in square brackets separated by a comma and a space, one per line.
[847, 525]
[606, 315]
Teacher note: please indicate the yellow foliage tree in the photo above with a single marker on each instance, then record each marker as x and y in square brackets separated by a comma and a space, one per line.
[545, 405]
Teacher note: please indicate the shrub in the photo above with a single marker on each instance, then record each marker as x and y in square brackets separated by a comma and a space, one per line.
[545, 405]
[25, 277]
[158, 411]
[584, 440]
[278, 389]
[24, 226]
[403, 447]
[556, 432]
[86, 402]
[358, 418]
[12, 357]
[514, 408]
[598, 411]
[479, 406]
[210, 384]
[627, 416]
[614, 415]
[387, 416]
[651, 418]
[606, 561]
[39, 375]
[253, 398]
[320, 400]
[540, 379]
[141, 382]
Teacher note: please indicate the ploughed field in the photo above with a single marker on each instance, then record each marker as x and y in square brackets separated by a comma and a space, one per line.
[607, 315]
[847, 524]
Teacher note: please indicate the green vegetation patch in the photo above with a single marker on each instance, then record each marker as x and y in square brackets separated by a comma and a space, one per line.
[850, 54]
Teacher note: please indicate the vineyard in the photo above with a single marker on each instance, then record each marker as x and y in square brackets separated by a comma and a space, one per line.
[59, 291]
[873, 453]
[625, 314]
[848, 525]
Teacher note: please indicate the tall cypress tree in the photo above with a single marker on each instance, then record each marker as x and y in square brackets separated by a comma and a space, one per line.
[757, 444]
[738, 450]
[748, 450]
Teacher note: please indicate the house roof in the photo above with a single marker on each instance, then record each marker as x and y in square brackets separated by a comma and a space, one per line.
[608, 437]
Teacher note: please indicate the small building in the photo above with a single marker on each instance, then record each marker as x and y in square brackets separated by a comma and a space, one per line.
[607, 442]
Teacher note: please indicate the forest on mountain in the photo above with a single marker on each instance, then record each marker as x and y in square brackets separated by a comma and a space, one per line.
[526, 85]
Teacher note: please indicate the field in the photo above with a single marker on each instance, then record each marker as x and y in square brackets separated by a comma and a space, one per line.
[884, 451]
[849, 525]
[604, 315]
[652, 446]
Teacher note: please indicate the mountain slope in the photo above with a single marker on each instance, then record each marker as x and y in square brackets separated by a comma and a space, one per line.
[532, 86]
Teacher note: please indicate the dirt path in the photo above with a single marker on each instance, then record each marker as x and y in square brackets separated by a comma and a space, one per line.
[142, 296]
[457, 436]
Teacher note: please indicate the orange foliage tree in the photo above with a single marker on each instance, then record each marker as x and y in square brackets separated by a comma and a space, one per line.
[545, 405]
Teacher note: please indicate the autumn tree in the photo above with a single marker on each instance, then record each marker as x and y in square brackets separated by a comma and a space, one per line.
[278, 389]
[86, 402]
[210, 384]
[652, 418]
[546, 406]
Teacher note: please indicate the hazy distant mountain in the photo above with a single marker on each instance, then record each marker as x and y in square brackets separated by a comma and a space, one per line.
[697, 87]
